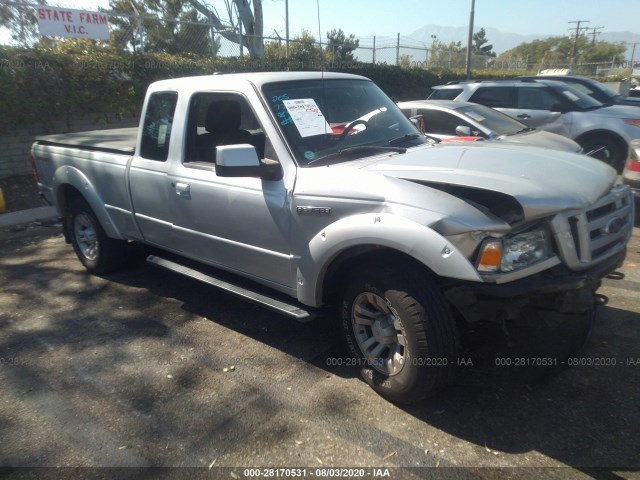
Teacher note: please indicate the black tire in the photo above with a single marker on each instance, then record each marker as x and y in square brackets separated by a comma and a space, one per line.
[410, 308]
[98, 253]
[612, 152]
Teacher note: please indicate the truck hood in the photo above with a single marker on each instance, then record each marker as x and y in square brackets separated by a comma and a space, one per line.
[542, 181]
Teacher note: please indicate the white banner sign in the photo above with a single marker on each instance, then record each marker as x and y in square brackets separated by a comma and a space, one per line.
[66, 22]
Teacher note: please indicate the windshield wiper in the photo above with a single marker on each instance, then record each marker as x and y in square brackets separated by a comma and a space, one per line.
[524, 130]
[356, 149]
[404, 138]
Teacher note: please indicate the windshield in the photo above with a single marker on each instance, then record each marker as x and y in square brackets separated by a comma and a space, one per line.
[444, 94]
[326, 118]
[580, 100]
[604, 89]
[497, 122]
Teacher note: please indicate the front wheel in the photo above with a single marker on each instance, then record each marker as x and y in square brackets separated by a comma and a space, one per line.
[97, 252]
[607, 149]
[399, 329]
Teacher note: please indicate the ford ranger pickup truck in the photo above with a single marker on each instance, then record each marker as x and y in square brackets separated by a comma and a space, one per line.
[305, 191]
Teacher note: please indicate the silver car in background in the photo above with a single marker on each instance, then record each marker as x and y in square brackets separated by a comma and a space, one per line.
[448, 119]
[555, 107]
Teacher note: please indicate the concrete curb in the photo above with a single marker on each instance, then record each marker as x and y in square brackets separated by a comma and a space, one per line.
[27, 216]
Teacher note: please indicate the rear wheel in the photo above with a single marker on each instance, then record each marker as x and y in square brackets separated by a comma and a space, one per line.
[399, 329]
[97, 252]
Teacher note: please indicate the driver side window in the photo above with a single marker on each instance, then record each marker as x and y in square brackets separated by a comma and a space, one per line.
[442, 123]
[217, 119]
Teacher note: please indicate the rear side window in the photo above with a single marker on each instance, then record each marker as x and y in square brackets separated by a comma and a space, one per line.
[158, 121]
[532, 98]
[445, 94]
[495, 97]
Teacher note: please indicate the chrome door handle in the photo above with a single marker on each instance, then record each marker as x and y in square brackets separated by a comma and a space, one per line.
[524, 115]
[183, 189]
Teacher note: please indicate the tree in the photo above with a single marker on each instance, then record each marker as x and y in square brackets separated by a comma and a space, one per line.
[274, 49]
[479, 47]
[305, 49]
[603, 52]
[20, 19]
[405, 60]
[447, 56]
[252, 23]
[555, 52]
[176, 28]
[340, 46]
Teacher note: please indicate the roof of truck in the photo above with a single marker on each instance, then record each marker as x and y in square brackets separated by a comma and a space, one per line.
[256, 78]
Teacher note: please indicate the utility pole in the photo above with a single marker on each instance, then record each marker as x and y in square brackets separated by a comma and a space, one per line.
[575, 41]
[286, 20]
[594, 31]
[469, 40]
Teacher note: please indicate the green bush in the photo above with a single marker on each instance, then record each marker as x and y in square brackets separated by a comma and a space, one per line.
[43, 86]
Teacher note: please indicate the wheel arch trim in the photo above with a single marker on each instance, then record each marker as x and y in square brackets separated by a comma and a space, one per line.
[70, 177]
[375, 230]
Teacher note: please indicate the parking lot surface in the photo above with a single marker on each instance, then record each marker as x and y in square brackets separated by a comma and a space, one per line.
[144, 368]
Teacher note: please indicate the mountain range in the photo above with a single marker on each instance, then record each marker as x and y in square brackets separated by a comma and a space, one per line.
[503, 41]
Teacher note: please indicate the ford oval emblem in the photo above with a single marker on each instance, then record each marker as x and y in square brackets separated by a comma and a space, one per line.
[614, 226]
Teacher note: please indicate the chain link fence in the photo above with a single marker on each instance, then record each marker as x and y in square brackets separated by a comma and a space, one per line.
[193, 34]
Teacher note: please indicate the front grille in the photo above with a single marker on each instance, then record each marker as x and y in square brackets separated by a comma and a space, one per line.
[588, 236]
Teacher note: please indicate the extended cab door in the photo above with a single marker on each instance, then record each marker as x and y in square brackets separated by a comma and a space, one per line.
[148, 181]
[237, 223]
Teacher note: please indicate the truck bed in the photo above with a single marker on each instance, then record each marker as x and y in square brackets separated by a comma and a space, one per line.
[116, 140]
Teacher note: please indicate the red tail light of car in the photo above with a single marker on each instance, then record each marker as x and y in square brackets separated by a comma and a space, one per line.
[33, 167]
[633, 162]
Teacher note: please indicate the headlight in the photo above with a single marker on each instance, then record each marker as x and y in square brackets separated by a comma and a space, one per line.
[514, 252]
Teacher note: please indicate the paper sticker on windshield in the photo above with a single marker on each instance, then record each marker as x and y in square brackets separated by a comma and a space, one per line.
[476, 116]
[307, 117]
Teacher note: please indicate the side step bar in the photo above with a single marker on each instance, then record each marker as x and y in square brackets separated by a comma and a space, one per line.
[291, 309]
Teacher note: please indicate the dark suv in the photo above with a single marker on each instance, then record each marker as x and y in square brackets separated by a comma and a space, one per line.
[593, 88]
[603, 131]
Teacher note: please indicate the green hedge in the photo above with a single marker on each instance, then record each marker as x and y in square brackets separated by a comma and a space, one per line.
[41, 87]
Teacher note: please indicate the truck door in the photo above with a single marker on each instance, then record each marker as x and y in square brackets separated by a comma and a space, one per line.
[240, 224]
[148, 182]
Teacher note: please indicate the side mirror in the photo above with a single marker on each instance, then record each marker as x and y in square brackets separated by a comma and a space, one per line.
[242, 161]
[558, 108]
[419, 122]
[463, 131]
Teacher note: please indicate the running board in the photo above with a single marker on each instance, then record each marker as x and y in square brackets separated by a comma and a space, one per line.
[291, 309]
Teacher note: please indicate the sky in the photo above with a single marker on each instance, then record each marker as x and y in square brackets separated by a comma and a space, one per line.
[388, 17]
[368, 18]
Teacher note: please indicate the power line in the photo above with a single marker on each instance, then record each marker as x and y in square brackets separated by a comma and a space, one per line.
[595, 31]
[575, 40]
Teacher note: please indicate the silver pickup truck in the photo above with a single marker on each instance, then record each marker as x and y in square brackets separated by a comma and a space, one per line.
[306, 191]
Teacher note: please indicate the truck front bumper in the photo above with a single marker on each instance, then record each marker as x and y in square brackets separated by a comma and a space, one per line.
[557, 289]
[554, 280]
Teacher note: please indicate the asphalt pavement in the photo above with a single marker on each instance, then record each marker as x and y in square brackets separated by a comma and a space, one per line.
[144, 368]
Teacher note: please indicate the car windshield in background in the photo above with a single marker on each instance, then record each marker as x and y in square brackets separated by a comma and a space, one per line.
[338, 118]
[495, 121]
[445, 94]
[596, 86]
[580, 100]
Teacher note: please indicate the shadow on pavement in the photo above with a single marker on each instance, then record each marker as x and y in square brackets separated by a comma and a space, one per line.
[586, 417]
